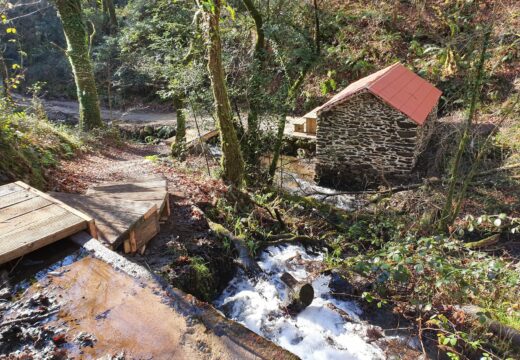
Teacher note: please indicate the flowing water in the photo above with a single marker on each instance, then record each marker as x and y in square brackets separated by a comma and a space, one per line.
[296, 175]
[327, 329]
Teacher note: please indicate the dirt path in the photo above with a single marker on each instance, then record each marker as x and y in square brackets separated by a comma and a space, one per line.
[67, 111]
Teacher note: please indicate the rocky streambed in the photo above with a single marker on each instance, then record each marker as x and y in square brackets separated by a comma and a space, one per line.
[329, 328]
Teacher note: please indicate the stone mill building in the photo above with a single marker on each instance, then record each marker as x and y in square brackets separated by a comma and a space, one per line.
[374, 130]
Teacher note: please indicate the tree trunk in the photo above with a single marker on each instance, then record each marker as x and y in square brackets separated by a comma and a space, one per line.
[232, 162]
[277, 146]
[291, 96]
[301, 294]
[71, 16]
[448, 213]
[259, 26]
[110, 12]
[5, 79]
[179, 146]
[251, 148]
[317, 35]
[245, 261]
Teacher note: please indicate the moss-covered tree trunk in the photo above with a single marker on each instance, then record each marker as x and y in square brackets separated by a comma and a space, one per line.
[232, 162]
[5, 79]
[179, 147]
[75, 30]
[317, 33]
[251, 148]
[449, 211]
[110, 12]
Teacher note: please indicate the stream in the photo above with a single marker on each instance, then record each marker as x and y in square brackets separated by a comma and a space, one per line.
[327, 329]
[296, 175]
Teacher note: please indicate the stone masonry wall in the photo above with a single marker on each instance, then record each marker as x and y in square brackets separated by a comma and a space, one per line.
[364, 141]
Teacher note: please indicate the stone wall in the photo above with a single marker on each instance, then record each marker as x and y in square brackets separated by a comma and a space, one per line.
[364, 142]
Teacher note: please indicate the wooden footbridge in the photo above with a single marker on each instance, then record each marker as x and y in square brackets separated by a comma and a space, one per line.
[121, 214]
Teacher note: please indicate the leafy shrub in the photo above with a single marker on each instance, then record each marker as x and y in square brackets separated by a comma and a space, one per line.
[434, 271]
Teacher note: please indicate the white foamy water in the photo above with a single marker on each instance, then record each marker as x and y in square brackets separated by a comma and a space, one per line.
[305, 188]
[321, 331]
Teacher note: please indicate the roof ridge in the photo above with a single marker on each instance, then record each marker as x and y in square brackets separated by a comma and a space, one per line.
[383, 74]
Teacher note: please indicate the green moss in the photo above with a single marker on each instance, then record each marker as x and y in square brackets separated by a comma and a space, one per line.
[204, 281]
[152, 158]
[507, 316]
[71, 15]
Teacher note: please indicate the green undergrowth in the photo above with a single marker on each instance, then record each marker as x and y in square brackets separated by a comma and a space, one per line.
[401, 261]
[30, 145]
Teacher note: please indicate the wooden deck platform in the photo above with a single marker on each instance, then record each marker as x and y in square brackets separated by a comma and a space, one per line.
[30, 219]
[133, 223]
[146, 189]
[125, 213]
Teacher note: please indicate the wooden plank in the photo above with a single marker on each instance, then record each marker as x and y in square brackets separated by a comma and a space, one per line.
[166, 212]
[140, 184]
[9, 188]
[126, 246]
[96, 205]
[193, 139]
[22, 208]
[15, 197]
[39, 216]
[115, 218]
[127, 188]
[56, 225]
[147, 189]
[133, 242]
[90, 221]
[158, 197]
[146, 231]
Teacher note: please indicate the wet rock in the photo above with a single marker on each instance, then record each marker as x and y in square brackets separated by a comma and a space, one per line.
[343, 288]
[229, 308]
[5, 293]
[84, 339]
[339, 285]
[59, 339]
[5, 287]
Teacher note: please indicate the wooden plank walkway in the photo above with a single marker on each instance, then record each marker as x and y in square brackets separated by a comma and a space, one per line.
[30, 219]
[193, 139]
[118, 221]
[151, 189]
[126, 213]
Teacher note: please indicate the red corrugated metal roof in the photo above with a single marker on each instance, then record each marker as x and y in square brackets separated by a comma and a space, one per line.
[396, 85]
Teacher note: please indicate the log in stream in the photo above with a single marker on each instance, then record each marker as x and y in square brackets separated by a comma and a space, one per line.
[301, 293]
